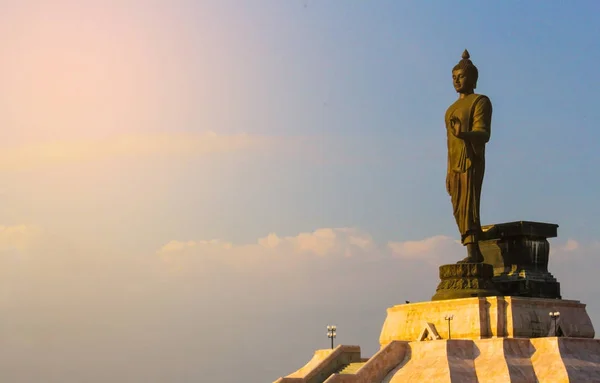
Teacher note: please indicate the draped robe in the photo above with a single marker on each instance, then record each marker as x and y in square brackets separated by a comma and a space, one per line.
[466, 161]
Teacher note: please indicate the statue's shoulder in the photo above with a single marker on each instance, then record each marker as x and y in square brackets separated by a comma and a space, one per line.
[482, 103]
[481, 98]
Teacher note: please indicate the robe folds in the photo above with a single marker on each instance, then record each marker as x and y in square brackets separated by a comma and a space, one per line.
[466, 161]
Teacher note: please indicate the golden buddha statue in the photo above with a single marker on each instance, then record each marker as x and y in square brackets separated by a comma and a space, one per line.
[468, 125]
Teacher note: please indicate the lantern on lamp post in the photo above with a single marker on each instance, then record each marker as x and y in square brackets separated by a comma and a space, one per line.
[331, 334]
[555, 315]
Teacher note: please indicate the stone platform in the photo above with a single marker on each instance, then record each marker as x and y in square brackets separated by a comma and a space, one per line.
[486, 317]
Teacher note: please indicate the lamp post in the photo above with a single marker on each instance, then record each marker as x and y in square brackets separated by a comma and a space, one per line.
[554, 315]
[449, 318]
[331, 334]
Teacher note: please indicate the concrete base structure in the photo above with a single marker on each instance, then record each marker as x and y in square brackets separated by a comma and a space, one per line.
[493, 340]
[486, 317]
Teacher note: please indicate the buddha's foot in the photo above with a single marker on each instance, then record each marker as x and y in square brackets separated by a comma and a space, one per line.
[470, 259]
[473, 254]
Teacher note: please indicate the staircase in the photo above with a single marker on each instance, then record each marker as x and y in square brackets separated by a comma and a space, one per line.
[351, 368]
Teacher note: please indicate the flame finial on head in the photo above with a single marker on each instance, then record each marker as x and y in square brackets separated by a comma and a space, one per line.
[465, 63]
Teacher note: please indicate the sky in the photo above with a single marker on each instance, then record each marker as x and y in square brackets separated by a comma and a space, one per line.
[193, 190]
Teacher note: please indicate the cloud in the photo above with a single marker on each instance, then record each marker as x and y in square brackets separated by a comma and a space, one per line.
[571, 249]
[434, 249]
[178, 246]
[322, 242]
[568, 247]
[270, 253]
[136, 145]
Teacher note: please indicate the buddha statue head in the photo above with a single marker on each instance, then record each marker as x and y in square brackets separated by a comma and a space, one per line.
[465, 75]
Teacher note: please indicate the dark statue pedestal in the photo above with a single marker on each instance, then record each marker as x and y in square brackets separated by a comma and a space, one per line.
[515, 265]
[465, 280]
[518, 252]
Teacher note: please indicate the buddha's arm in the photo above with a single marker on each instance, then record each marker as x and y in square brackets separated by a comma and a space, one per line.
[481, 122]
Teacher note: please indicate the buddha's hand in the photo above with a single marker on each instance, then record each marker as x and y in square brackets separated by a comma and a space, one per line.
[455, 125]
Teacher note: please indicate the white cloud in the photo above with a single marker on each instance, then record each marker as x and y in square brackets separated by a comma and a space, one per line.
[322, 242]
[271, 241]
[433, 249]
[271, 251]
[178, 246]
[570, 246]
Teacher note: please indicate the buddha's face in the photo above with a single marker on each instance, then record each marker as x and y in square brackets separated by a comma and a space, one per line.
[462, 82]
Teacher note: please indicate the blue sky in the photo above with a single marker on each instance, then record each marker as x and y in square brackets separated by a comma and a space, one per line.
[172, 169]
